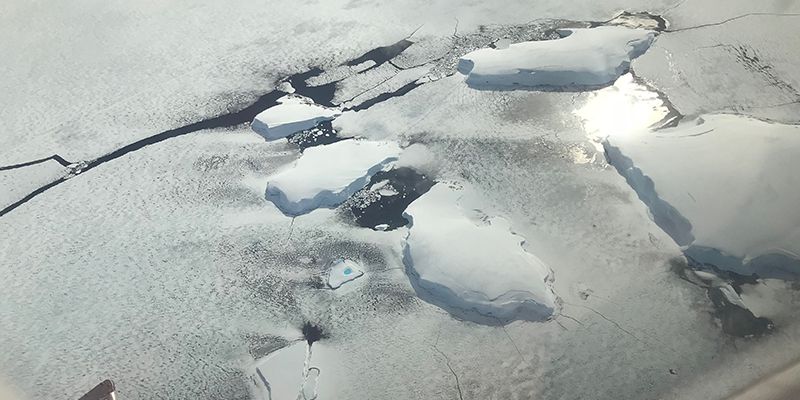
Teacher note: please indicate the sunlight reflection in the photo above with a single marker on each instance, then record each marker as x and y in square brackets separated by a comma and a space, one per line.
[624, 108]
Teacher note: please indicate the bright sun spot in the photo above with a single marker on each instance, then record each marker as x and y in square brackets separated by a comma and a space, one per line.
[625, 108]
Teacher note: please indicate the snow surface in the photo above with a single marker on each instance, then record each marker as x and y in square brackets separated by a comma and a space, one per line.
[16, 183]
[325, 176]
[293, 114]
[203, 274]
[724, 186]
[582, 57]
[280, 374]
[298, 372]
[474, 264]
[746, 65]
[343, 271]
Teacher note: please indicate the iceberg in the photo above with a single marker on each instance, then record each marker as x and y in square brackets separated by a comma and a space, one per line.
[582, 58]
[292, 114]
[325, 176]
[473, 267]
[724, 187]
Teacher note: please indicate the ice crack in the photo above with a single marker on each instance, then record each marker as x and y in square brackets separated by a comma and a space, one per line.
[54, 157]
[733, 19]
[447, 362]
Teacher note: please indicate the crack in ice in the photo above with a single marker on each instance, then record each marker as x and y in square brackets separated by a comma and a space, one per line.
[54, 157]
[447, 362]
[754, 14]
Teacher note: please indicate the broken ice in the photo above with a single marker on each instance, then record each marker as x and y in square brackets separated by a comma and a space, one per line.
[325, 176]
[292, 114]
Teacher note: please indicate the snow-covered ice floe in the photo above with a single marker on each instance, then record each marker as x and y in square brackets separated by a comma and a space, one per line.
[472, 265]
[343, 271]
[591, 57]
[292, 114]
[325, 176]
[725, 187]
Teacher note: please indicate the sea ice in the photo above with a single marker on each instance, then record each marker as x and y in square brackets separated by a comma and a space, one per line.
[325, 176]
[724, 187]
[292, 114]
[16, 183]
[581, 58]
[279, 375]
[473, 265]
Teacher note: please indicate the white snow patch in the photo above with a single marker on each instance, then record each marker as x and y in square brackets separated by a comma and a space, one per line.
[734, 179]
[582, 57]
[474, 265]
[343, 271]
[325, 176]
[293, 114]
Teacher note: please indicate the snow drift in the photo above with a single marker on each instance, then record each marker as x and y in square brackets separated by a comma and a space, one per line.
[325, 176]
[471, 266]
[582, 58]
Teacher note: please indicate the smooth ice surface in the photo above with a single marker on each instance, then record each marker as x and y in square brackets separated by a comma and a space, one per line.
[325, 176]
[582, 57]
[343, 271]
[474, 262]
[733, 178]
[292, 114]
[279, 375]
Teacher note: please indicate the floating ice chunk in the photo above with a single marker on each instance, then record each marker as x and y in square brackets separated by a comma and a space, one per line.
[471, 267]
[383, 188]
[286, 87]
[292, 114]
[343, 271]
[381, 204]
[325, 176]
[581, 58]
[725, 187]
